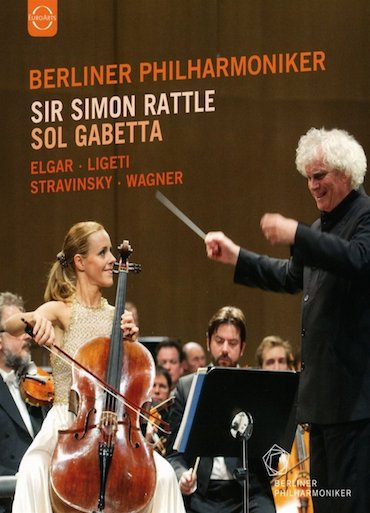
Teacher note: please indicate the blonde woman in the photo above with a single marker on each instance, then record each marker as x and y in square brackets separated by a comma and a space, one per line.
[75, 311]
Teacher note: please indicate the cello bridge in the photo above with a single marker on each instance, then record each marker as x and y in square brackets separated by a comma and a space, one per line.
[108, 422]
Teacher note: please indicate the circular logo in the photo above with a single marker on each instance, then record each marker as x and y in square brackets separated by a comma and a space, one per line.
[42, 17]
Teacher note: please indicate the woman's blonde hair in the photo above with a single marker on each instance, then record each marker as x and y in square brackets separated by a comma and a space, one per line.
[61, 283]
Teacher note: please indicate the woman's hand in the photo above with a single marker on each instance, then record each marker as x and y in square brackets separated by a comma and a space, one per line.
[128, 327]
[43, 330]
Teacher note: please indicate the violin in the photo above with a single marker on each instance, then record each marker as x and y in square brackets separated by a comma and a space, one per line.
[102, 462]
[36, 386]
[159, 442]
[151, 433]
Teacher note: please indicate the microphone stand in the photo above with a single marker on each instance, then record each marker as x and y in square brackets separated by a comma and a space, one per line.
[241, 429]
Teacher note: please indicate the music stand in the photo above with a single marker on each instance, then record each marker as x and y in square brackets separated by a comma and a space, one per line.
[268, 398]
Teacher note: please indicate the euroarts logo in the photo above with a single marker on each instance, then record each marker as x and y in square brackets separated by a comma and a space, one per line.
[42, 18]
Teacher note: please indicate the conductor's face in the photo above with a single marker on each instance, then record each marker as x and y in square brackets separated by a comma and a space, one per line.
[327, 186]
[225, 346]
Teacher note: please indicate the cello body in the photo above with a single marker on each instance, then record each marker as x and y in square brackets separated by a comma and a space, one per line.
[75, 468]
[102, 462]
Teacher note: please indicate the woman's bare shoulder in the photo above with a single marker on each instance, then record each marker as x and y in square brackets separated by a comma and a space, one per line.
[58, 312]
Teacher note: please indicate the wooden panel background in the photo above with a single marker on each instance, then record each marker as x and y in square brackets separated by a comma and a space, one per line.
[236, 162]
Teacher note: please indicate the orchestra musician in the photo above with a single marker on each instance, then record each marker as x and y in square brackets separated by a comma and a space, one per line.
[75, 311]
[291, 488]
[194, 357]
[161, 405]
[213, 487]
[168, 354]
[275, 353]
[19, 421]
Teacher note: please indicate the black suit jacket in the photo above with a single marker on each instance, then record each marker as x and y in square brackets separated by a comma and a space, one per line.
[331, 263]
[14, 436]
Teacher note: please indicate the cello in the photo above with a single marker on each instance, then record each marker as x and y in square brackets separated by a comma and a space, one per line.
[102, 462]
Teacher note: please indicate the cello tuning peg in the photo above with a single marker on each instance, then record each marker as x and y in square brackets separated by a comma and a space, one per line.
[135, 268]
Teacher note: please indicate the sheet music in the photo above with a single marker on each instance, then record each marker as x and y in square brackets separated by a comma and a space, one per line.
[190, 408]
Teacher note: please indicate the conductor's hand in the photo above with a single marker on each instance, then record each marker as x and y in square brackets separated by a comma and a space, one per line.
[278, 229]
[128, 326]
[221, 248]
[188, 482]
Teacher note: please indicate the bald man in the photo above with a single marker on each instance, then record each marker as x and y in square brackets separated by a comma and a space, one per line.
[194, 357]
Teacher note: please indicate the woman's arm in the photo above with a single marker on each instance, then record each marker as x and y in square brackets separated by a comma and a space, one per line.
[42, 320]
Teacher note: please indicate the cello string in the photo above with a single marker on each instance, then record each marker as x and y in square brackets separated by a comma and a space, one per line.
[66, 358]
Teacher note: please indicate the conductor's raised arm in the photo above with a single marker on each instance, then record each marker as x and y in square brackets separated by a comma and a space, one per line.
[221, 248]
